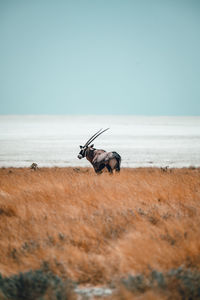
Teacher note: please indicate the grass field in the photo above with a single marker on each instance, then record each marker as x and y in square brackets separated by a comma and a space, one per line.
[97, 230]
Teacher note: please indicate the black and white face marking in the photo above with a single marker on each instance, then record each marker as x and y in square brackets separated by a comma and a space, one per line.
[82, 152]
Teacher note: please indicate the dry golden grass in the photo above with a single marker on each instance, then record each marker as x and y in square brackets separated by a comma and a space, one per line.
[94, 229]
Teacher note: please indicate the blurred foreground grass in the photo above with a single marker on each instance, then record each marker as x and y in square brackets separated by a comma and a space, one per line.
[89, 229]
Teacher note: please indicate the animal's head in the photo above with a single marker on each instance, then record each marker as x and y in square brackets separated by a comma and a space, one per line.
[84, 148]
[82, 153]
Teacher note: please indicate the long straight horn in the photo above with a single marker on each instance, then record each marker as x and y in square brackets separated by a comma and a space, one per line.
[97, 134]
[87, 143]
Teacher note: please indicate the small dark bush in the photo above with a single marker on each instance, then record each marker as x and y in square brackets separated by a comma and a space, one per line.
[34, 285]
[182, 282]
[135, 283]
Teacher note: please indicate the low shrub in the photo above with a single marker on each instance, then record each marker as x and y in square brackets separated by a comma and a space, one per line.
[34, 285]
[181, 283]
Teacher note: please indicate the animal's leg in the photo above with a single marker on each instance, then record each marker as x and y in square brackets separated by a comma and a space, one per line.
[109, 169]
[99, 169]
[118, 161]
[117, 168]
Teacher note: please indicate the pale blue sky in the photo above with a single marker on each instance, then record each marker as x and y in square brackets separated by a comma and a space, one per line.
[100, 57]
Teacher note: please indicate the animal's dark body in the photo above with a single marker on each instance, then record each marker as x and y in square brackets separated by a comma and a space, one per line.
[100, 159]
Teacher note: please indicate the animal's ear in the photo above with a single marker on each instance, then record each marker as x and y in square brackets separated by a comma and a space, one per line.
[92, 146]
[81, 147]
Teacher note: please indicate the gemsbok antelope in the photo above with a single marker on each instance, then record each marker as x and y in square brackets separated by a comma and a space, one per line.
[100, 158]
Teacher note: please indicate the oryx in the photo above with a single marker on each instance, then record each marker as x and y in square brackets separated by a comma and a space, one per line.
[100, 158]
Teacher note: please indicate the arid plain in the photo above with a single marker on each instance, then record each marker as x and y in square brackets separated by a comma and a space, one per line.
[96, 230]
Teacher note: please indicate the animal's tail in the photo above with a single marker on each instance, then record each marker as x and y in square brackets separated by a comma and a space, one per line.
[118, 158]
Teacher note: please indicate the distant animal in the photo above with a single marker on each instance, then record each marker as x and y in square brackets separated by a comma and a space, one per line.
[164, 169]
[99, 158]
[34, 166]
